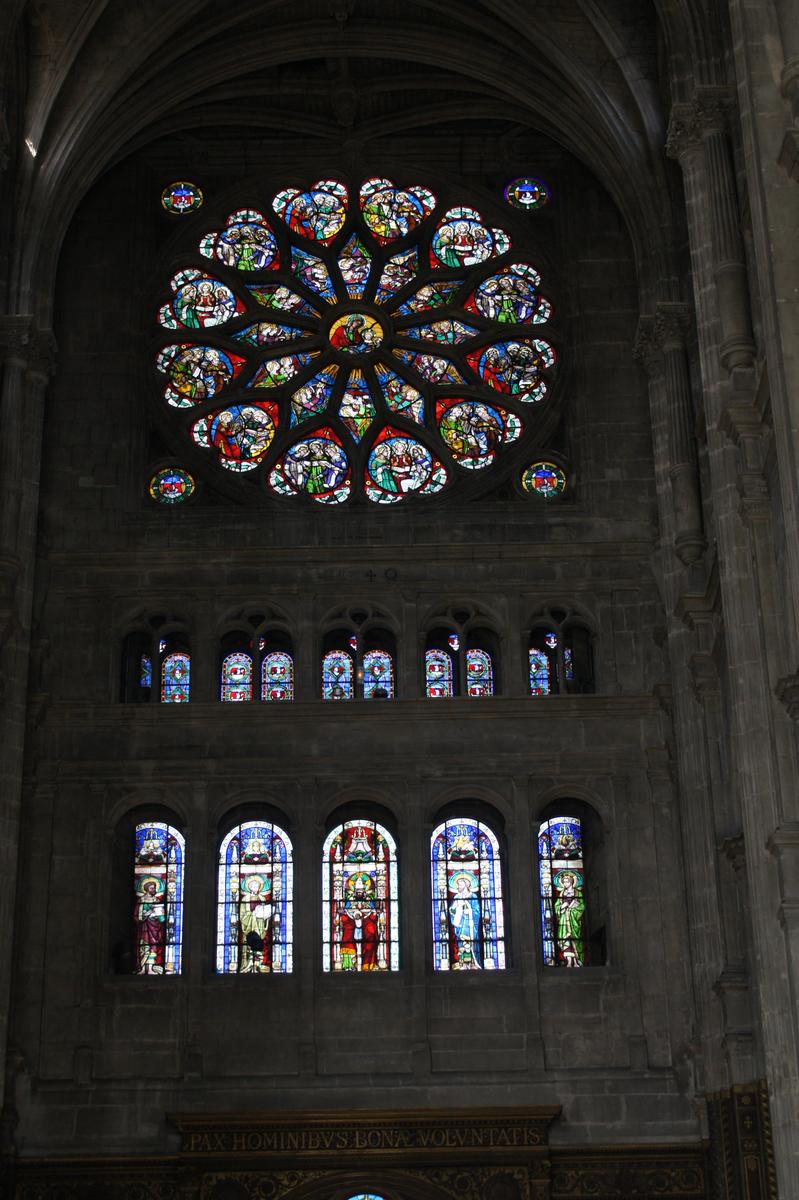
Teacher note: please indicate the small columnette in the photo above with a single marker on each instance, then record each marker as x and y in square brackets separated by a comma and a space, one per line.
[360, 890]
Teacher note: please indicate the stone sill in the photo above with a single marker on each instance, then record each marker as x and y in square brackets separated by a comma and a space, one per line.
[464, 707]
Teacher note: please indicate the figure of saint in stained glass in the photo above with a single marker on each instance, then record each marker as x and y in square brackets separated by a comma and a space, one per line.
[159, 858]
[468, 917]
[360, 905]
[254, 921]
[561, 875]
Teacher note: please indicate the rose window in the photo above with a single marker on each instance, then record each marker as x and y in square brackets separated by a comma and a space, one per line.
[338, 343]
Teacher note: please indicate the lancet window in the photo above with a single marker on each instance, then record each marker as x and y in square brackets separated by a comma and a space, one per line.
[562, 883]
[158, 866]
[255, 901]
[468, 913]
[360, 899]
[560, 658]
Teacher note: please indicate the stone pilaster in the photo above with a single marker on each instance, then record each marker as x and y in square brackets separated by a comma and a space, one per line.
[698, 139]
[661, 349]
[27, 356]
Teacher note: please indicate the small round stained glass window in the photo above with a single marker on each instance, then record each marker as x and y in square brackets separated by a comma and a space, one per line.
[179, 198]
[527, 193]
[366, 340]
[171, 486]
[544, 479]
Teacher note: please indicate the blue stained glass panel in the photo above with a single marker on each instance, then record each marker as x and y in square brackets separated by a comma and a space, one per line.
[236, 684]
[159, 860]
[438, 674]
[479, 673]
[378, 675]
[540, 682]
[468, 913]
[254, 901]
[277, 677]
[337, 676]
[175, 679]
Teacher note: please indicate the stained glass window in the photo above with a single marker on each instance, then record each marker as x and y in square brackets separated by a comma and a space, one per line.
[527, 193]
[544, 479]
[255, 901]
[159, 861]
[277, 676]
[297, 334]
[468, 916]
[438, 674]
[180, 198]
[540, 682]
[360, 899]
[479, 673]
[337, 675]
[561, 875]
[171, 486]
[378, 675]
[145, 672]
[175, 678]
[236, 684]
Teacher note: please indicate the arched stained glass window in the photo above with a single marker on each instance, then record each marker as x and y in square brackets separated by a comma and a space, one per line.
[438, 674]
[540, 684]
[360, 899]
[337, 675]
[254, 901]
[479, 673]
[159, 860]
[468, 916]
[561, 874]
[378, 675]
[175, 678]
[277, 676]
[236, 678]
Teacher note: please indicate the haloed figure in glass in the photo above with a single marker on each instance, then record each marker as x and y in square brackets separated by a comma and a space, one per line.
[359, 894]
[158, 906]
[562, 877]
[468, 919]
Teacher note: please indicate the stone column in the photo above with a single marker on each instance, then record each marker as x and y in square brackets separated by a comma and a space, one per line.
[702, 126]
[27, 356]
[660, 348]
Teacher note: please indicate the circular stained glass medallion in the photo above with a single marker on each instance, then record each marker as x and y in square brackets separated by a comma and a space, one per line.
[544, 479]
[172, 485]
[527, 193]
[356, 333]
[376, 342]
[180, 198]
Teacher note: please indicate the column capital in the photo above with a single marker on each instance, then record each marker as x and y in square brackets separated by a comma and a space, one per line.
[671, 324]
[707, 112]
[32, 349]
[646, 349]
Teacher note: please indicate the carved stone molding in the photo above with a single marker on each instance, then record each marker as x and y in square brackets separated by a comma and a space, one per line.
[741, 1151]
[601, 1173]
[734, 849]
[704, 676]
[675, 1174]
[787, 691]
[647, 350]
